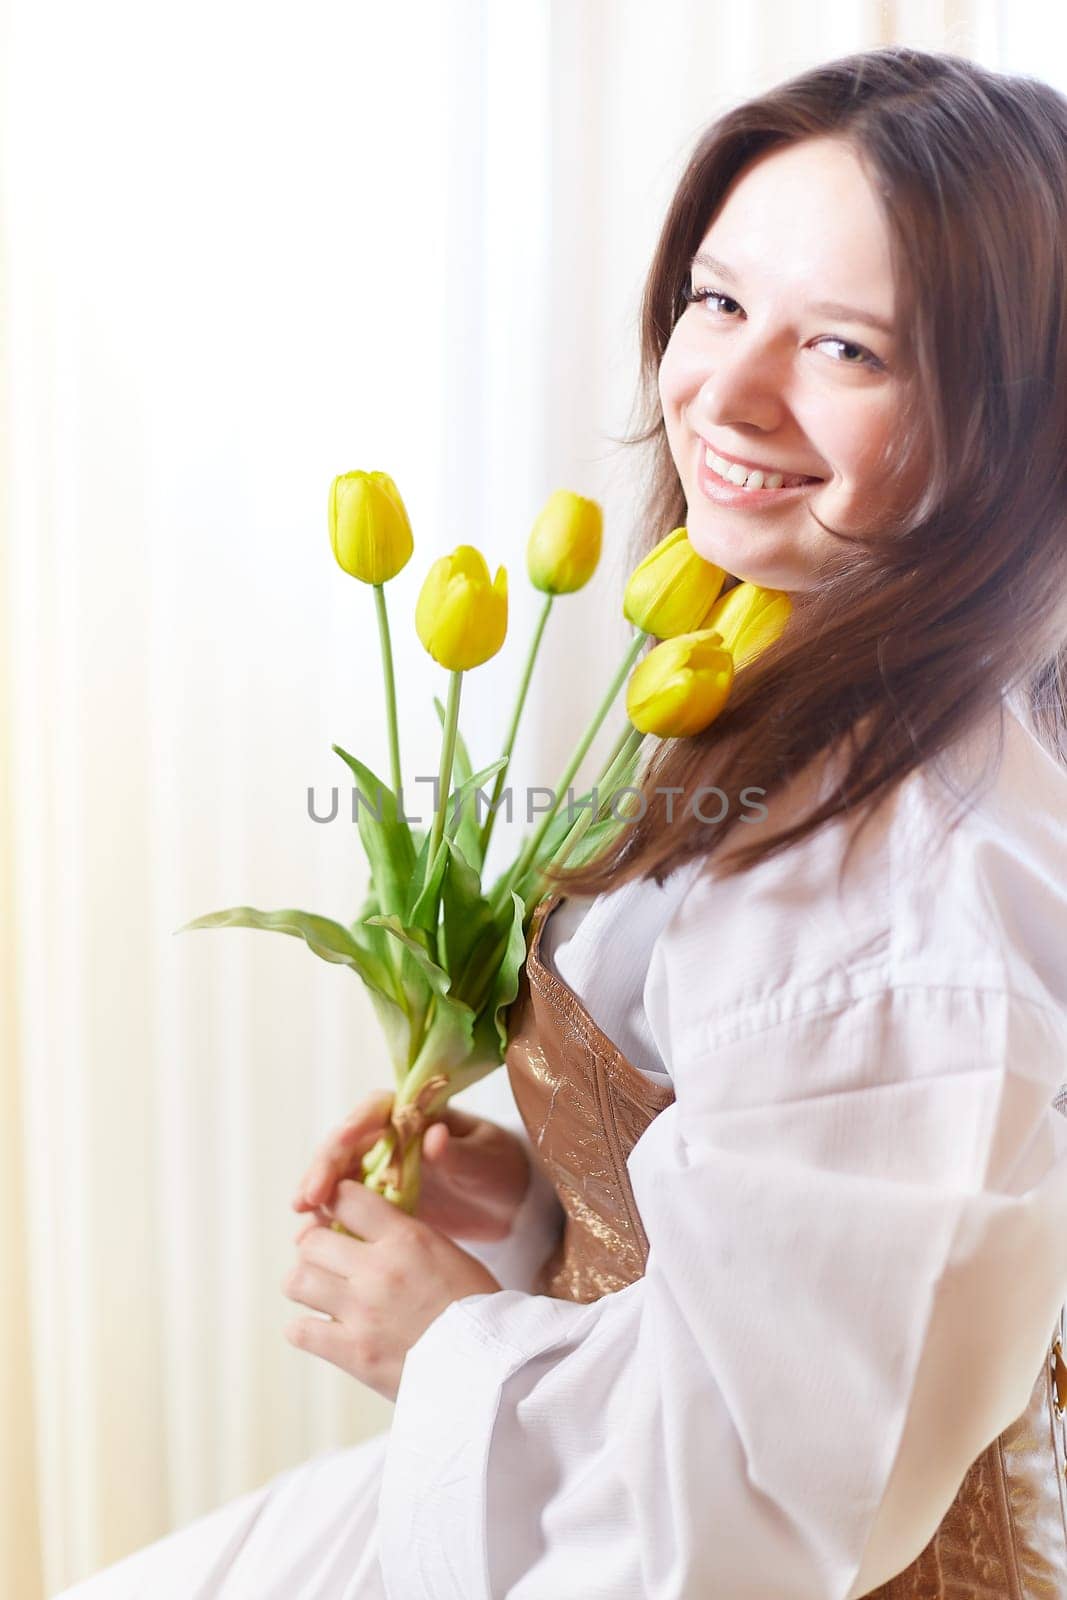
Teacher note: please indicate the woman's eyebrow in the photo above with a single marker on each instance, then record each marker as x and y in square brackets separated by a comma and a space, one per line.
[825, 308]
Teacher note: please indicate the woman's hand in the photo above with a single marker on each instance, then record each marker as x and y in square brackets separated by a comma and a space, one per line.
[380, 1290]
[474, 1172]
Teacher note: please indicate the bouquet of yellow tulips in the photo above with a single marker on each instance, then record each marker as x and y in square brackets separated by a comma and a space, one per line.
[439, 954]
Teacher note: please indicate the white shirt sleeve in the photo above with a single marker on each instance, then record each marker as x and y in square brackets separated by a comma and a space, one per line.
[857, 1254]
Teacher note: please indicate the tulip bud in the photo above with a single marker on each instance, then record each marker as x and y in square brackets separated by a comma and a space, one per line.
[749, 619]
[672, 590]
[564, 545]
[369, 528]
[460, 617]
[680, 687]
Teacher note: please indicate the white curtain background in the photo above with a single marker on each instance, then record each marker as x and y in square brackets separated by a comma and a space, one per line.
[245, 248]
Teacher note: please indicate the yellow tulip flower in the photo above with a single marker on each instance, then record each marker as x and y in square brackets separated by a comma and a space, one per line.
[749, 619]
[672, 590]
[460, 617]
[680, 687]
[564, 545]
[369, 528]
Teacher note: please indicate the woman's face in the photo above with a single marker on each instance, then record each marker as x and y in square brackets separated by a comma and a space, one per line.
[762, 373]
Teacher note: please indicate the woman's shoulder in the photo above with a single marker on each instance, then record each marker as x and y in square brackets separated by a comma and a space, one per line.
[958, 879]
[980, 846]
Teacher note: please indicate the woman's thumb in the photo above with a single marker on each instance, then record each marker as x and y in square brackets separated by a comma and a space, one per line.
[437, 1142]
[451, 1138]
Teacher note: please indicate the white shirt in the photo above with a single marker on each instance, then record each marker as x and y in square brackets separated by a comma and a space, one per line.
[855, 1208]
[602, 948]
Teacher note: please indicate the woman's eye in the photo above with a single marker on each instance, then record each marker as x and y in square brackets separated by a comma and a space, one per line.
[691, 295]
[864, 355]
[859, 356]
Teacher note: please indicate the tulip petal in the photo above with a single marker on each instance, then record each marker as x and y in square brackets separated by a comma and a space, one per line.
[460, 617]
[563, 549]
[370, 533]
[469, 561]
[680, 687]
[673, 589]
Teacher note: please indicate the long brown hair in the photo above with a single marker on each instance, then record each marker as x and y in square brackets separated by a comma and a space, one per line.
[919, 627]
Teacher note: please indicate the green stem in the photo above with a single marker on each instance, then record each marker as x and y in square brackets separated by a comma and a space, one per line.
[376, 1158]
[622, 743]
[428, 1065]
[418, 1036]
[529, 851]
[629, 743]
[390, 685]
[444, 780]
[509, 743]
[609, 783]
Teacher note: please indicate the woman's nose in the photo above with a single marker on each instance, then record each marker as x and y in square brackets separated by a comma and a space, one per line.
[748, 385]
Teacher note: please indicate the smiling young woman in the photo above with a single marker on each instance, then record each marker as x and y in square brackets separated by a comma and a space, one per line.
[769, 1298]
[862, 277]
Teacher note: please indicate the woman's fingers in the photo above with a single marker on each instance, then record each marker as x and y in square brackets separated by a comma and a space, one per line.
[461, 1145]
[461, 1122]
[474, 1172]
[319, 1220]
[339, 1156]
[454, 1134]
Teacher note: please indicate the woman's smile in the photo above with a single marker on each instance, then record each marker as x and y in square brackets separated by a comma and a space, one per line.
[728, 483]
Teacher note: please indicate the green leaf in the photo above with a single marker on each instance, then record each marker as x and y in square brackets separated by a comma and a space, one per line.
[423, 913]
[413, 941]
[411, 992]
[398, 1029]
[418, 875]
[386, 837]
[586, 847]
[363, 948]
[468, 932]
[491, 1032]
[324, 937]
[562, 823]
[374, 940]
[449, 1039]
[461, 818]
[414, 992]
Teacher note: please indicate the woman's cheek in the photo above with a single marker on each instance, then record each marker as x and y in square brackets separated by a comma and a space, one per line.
[681, 371]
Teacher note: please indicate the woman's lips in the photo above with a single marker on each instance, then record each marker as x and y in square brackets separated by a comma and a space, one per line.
[756, 466]
[723, 493]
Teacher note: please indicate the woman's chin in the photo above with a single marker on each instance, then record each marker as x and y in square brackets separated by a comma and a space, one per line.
[731, 555]
[742, 558]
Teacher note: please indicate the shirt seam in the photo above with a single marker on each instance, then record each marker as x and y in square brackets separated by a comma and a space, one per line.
[761, 1023]
[523, 1354]
[487, 1336]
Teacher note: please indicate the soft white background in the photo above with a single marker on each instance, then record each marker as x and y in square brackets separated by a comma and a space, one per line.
[246, 247]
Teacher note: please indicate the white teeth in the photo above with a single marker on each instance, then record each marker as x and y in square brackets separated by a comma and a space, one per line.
[731, 472]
